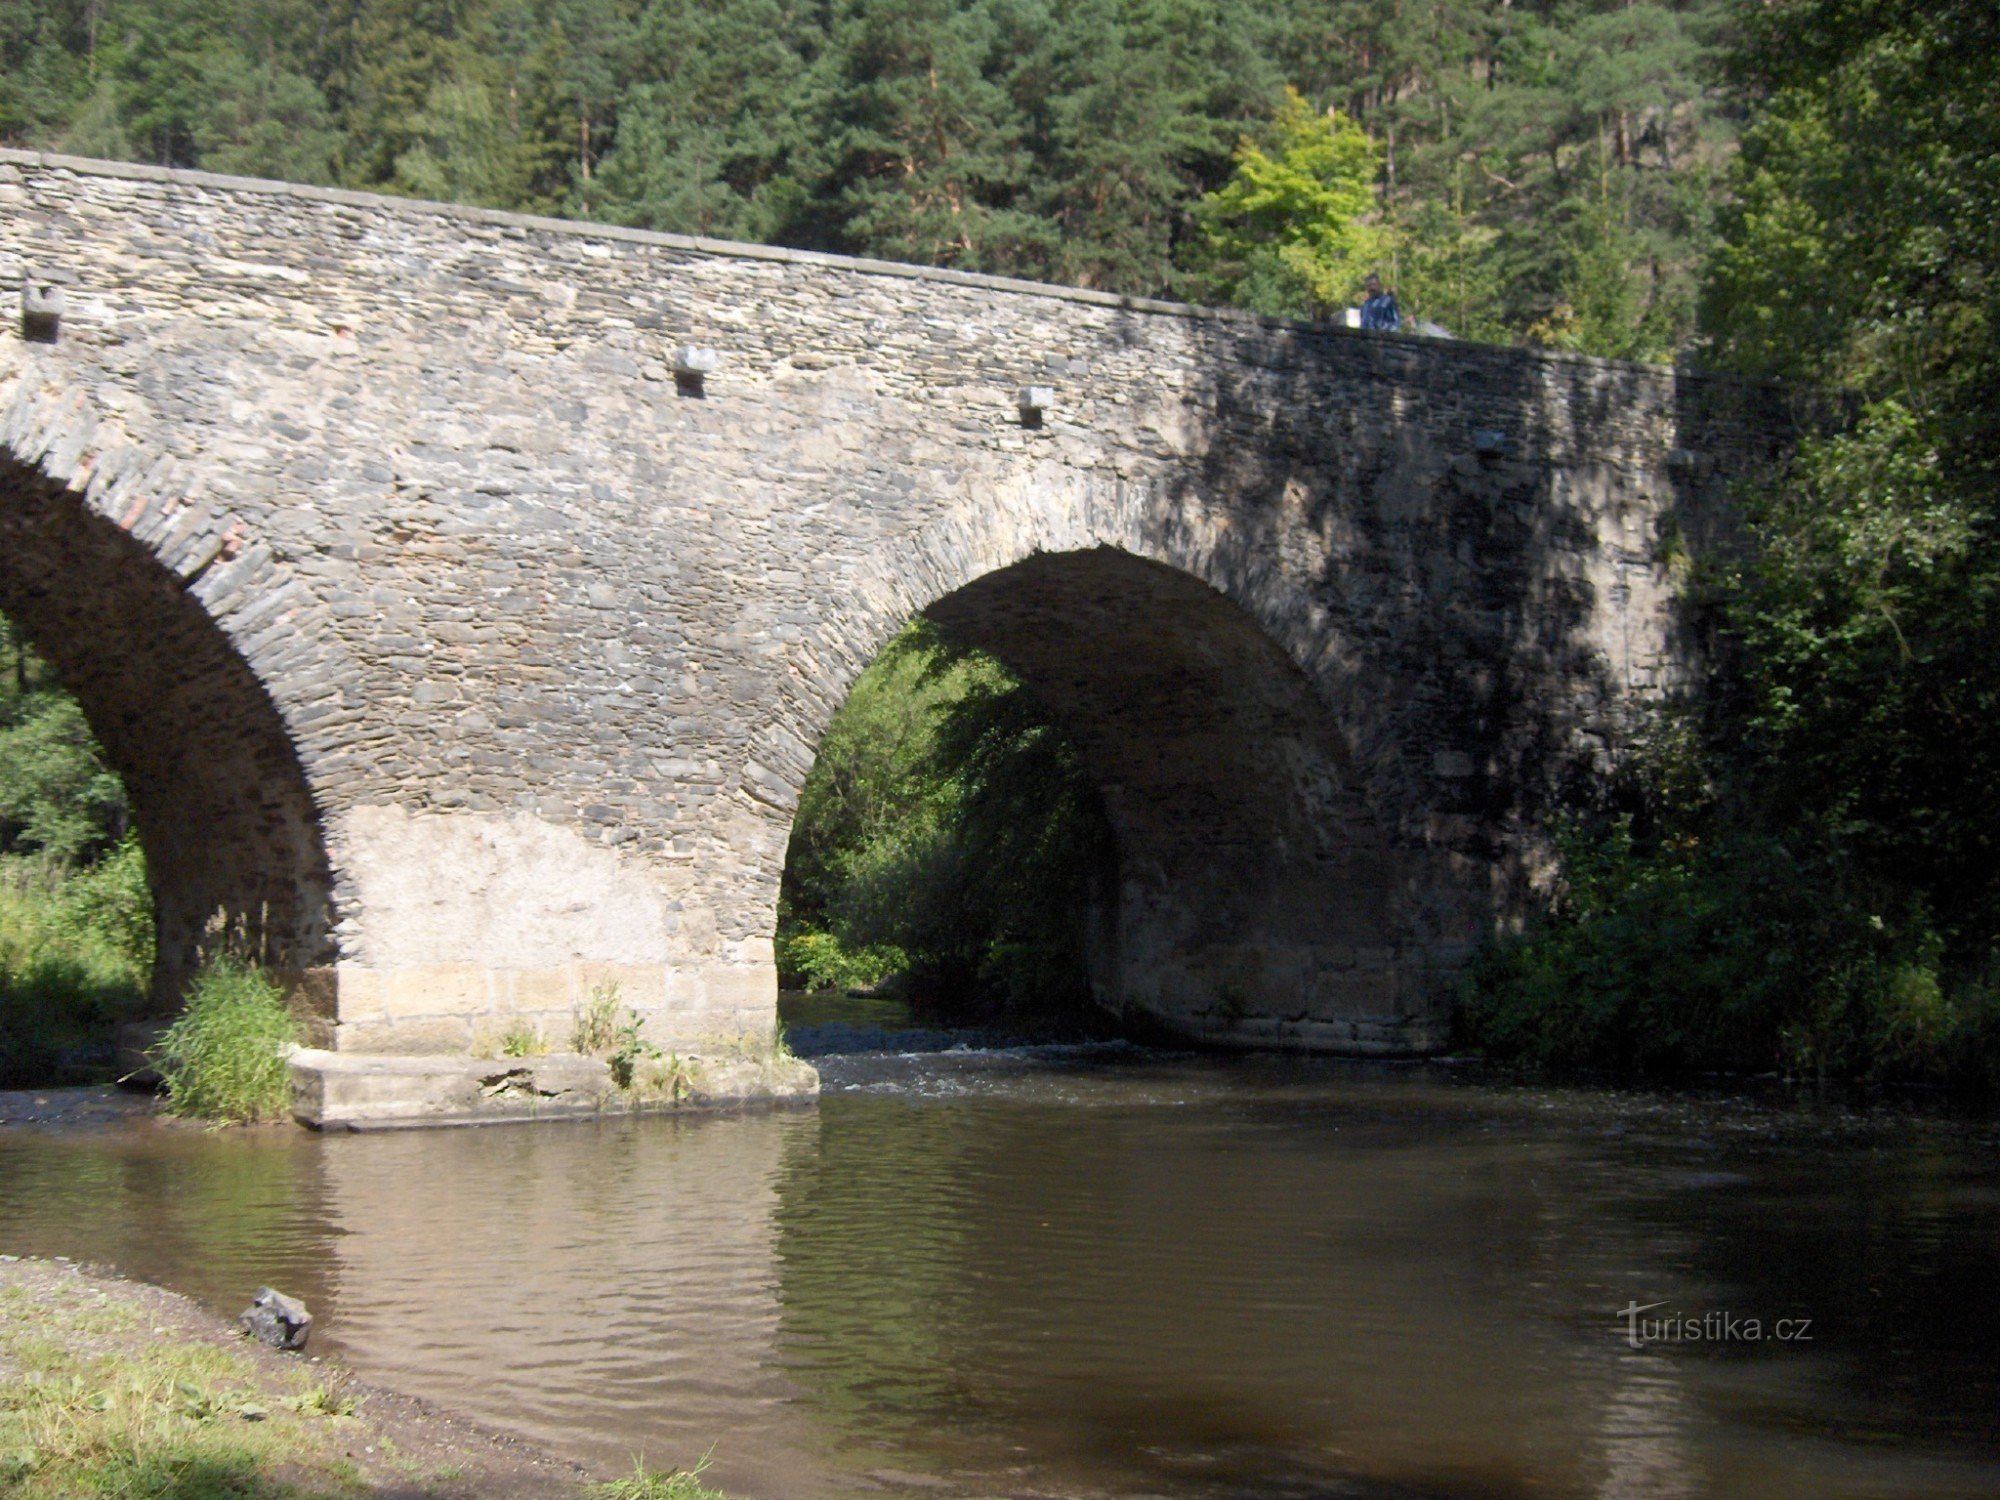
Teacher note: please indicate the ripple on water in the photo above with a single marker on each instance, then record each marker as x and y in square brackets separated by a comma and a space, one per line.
[1098, 1271]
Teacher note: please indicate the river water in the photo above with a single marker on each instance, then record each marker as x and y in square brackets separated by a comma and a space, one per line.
[1099, 1271]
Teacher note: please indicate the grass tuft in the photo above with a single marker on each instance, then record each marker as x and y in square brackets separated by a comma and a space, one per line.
[523, 1039]
[596, 1030]
[654, 1484]
[225, 1058]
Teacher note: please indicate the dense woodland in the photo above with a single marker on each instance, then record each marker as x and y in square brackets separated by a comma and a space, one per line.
[1539, 170]
[1801, 872]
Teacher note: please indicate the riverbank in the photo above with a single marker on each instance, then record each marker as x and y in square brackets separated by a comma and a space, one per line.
[115, 1387]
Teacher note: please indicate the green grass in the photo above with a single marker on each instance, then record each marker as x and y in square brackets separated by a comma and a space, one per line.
[76, 955]
[655, 1484]
[93, 1408]
[224, 1059]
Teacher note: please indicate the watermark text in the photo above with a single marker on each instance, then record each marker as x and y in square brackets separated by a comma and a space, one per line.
[1714, 1327]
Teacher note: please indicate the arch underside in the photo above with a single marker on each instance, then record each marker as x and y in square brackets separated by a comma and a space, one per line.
[1258, 900]
[234, 847]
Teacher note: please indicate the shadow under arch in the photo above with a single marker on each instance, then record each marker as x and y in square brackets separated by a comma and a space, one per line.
[235, 850]
[1258, 901]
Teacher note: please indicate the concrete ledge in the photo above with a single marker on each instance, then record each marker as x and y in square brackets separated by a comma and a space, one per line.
[387, 1091]
[1388, 1037]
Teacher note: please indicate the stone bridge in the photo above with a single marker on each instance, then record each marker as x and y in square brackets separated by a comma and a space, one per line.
[464, 642]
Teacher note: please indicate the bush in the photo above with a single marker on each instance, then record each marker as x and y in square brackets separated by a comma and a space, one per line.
[1725, 952]
[225, 1058]
[818, 961]
[76, 953]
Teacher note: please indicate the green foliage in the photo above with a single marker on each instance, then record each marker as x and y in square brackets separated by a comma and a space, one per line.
[655, 1484]
[596, 1029]
[1448, 273]
[522, 1039]
[1077, 142]
[76, 917]
[1829, 902]
[609, 1029]
[629, 1048]
[58, 797]
[947, 832]
[1693, 934]
[818, 961]
[1601, 307]
[97, 1402]
[224, 1058]
[76, 952]
[1285, 234]
[1863, 246]
[1862, 241]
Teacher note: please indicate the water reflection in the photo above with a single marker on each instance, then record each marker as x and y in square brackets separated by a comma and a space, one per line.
[1088, 1274]
[605, 1289]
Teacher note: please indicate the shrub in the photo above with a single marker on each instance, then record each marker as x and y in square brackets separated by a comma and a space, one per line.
[819, 961]
[1728, 952]
[225, 1058]
[76, 951]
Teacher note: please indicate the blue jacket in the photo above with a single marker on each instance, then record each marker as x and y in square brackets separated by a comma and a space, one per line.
[1380, 313]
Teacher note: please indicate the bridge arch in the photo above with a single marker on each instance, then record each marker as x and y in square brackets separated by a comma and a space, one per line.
[1261, 896]
[235, 848]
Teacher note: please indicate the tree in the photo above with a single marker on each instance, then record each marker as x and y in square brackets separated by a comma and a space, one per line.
[710, 138]
[926, 146]
[58, 797]
[1863, 247]
[461, 149]
[1286, 234]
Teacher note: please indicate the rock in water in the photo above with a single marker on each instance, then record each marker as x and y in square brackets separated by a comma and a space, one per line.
[277, 1320]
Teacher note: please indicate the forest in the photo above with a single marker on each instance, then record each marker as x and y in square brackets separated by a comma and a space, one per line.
[1541, 171]
[1800, 873]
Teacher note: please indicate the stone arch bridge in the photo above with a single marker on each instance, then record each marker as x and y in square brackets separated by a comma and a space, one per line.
[464, 642]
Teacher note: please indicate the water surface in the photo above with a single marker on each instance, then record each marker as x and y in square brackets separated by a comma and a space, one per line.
[1101, 1272]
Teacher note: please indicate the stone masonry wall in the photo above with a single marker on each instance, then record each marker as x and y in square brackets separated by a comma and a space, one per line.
[540, 644]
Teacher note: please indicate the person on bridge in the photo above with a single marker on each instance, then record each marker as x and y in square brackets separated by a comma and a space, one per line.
[1378, 309]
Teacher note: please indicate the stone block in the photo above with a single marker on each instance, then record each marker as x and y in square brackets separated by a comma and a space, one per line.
[437, 990]
[526, 991]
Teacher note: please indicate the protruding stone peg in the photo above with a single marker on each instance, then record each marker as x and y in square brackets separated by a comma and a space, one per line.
[1036, 401]
[692, 367]
[1489, 442]
[41, 311]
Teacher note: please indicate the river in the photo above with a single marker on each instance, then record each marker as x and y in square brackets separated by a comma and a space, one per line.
[1101, 1271]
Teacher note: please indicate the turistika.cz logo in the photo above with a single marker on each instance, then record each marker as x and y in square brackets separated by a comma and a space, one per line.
[1707, 1328]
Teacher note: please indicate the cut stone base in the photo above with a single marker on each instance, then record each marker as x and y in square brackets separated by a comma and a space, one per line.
[377, 1091]
[1385, 1037]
